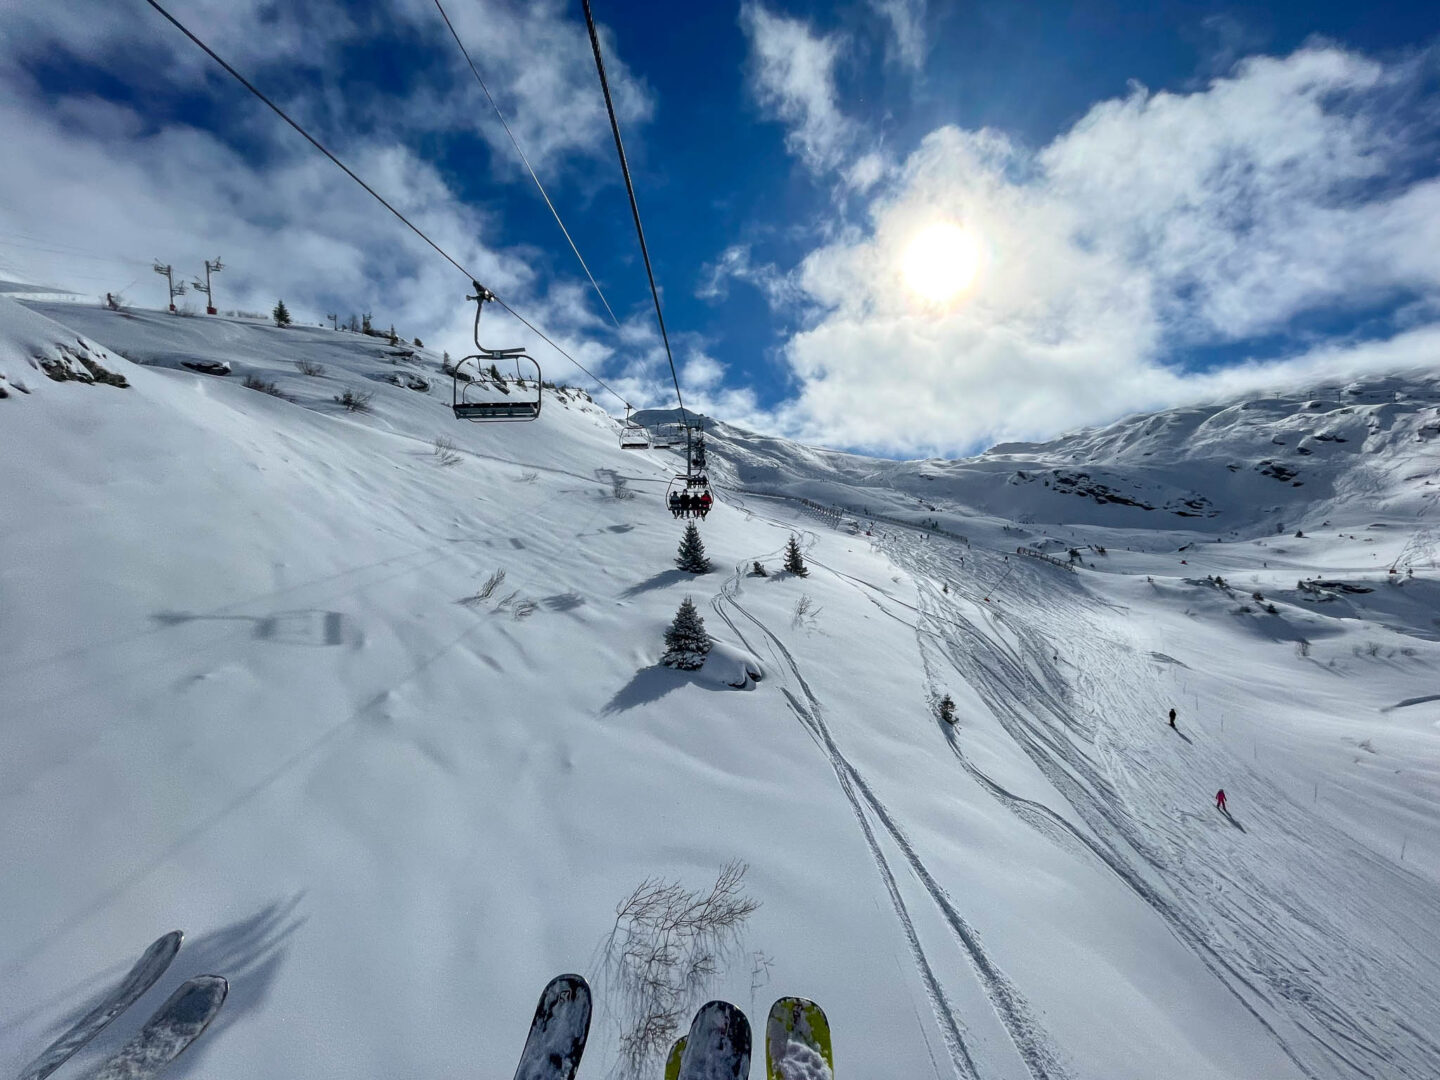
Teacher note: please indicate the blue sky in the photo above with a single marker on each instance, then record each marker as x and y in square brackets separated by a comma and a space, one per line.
[1167, 201]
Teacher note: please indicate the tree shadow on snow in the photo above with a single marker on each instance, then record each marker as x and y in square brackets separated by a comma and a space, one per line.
[650, 684]
[659, 581]
[247, 952]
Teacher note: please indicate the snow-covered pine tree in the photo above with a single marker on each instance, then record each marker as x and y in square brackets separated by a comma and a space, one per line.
[691, 557]
[795, 558]
[947, 709]
[281, 314]
[686, 641]
[394, 337]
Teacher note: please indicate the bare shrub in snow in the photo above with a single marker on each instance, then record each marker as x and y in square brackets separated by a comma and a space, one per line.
[355, 402]
[1302, 648]
[487, 590]
[254, 382]
[445, 453]
[805, 613]
[309, 367]
[667, 946]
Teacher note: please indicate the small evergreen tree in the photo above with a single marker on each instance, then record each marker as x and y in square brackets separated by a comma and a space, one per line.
[394, 337]
[418, 343]
[757, 569]
[794, 558]
[686, 641]
[947, 709]
[691, 557]
[281, 314]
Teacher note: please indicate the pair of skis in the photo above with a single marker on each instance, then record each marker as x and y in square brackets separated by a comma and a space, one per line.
[797, 1039]
[797, 1044]
[173, 1027]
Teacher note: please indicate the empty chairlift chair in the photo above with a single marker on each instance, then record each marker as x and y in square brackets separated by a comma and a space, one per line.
[633, 436]
[482, 393]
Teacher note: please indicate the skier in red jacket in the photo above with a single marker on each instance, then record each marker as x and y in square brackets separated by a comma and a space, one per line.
[1220, 801]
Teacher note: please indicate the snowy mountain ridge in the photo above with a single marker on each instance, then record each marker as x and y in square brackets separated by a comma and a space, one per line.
[369, 703]
[1240, 468]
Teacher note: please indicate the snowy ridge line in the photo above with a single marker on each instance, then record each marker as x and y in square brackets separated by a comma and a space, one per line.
[1293, 992]
[946, 1016]
[1034, 1047]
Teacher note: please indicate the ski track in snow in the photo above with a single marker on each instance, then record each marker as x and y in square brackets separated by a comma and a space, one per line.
[1039, 1056]
[1332, 1008]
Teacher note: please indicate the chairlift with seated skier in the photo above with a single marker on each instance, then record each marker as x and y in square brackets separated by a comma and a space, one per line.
[689, 494]
[481, 393]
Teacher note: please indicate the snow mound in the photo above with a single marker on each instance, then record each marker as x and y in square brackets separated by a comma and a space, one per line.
[731, 666]
[30, 339]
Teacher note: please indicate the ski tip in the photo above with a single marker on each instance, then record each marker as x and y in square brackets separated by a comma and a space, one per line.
[199, 999]
[564, 989]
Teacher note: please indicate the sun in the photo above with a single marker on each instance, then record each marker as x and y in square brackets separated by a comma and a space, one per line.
[941, 261]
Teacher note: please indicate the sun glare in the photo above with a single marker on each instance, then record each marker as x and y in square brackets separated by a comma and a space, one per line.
[941, 261]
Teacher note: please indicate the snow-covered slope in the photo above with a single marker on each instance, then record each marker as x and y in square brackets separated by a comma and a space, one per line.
[250, 689]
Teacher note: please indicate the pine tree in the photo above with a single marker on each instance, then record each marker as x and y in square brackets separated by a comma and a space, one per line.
[686, 641]
[281, 314]
[794, 559]
[947, 709]
[394, 337]
[757, 569]
[417, 343]
[691, 557]
[365, 327]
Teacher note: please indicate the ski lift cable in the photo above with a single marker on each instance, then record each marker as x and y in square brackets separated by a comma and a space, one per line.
[529, 168]
[634, 207]
[374, 194]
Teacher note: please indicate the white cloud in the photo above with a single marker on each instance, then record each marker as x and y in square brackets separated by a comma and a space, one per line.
[735, 264]
[793, 79]
[1159, 222]
[907, 27]
[95, 189]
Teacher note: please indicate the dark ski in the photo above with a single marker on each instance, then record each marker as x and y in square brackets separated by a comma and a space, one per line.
[718, 1046]
[175, 1025]
[142, 977]
[558, 1032]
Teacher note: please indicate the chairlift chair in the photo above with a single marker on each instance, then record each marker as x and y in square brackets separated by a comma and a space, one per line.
[633, 436]
[481, 397]
[688, 483]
